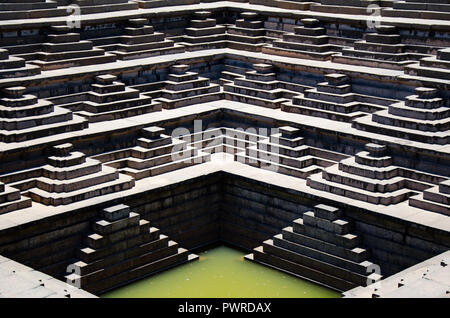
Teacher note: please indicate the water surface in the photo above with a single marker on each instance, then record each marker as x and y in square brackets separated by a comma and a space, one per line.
[221, 272]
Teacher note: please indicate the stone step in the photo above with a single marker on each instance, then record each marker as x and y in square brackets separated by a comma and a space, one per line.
[57, 116]
[104, 227]
[295, 152]
[365, 158]
[121, 113]
[182, 94]
[166, 48]
[201, 32]
[213, 93]
[84, 167]
[302, 173]
[288, 52]
[418, 201]
[340, 227]
[299, 270]
[402, 110]
[116, 212]
[435, 195]
[70, 185]
[327, 212]
[48, 198]
[164, 168]
[289, 107]
[77, 123]
[139, 164]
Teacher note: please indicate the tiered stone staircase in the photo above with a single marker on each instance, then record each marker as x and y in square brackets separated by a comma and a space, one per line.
[204, 33]
[248, 30]
[111, 100]
[422, 117]
[25, 117]
[369, 176]
[309, 41]
[155, 153]
[11, 199]
[71, 177]
[286, 153]
[258, 87]
[11, 66]
[320, 247]
[121, 248]
[139, 41]
[184, 88]
[65, 49]
[332, 99]
[382, 49]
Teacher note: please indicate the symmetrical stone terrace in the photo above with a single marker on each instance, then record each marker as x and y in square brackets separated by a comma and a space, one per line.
[138, 41]
[11, 67]
[248, 30]
[259, 87]
[320, 247]
[307, 42]
[70, 177]
[421, 117]
[25, 117]
[334, 99]
[184, 88]
[122, 247]
[382, 49]
[64, 49]
[371, 177]
[111, 100]
[154, 154]
[285, 152]
[204, 33]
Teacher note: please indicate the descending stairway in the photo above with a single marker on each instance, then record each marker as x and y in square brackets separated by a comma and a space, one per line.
[320, 247]
[122, 248]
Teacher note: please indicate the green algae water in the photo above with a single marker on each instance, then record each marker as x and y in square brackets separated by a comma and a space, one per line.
[221, 272]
